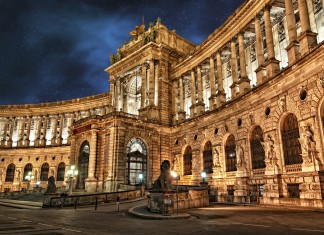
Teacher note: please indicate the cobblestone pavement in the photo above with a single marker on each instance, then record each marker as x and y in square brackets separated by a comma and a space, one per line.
[216, 219]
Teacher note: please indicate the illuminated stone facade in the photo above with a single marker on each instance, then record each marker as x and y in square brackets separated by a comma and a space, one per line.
[245, 106]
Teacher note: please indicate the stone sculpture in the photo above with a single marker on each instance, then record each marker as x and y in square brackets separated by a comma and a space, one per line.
[51, 187]
[165, 178]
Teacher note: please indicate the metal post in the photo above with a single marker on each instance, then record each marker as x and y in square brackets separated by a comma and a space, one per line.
[177, 197]
[96, 203]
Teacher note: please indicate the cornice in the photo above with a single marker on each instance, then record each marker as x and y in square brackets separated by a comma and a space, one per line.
[67, 106]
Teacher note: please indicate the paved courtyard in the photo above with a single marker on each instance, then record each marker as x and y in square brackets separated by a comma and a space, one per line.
[216, 219]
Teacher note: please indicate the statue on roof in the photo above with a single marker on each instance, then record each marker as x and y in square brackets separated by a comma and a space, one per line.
[138, 30]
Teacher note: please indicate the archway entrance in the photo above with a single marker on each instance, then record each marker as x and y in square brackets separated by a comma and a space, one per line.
[83, 164]
[136, 164]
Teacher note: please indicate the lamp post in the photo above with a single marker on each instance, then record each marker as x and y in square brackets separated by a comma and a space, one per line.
[71, 173]
[29, 177]
[176, 177]
[140, 176]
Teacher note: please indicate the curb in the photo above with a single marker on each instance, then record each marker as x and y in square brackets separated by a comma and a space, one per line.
[143, 213]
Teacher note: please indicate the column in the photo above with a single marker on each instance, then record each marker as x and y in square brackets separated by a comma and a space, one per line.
[143, 88]
[307, 38]
[221, 96]
[157, 83]
[112, 90]
[38, 133]
[212, 98]
[293, 47]
[235, 86]
[200, 107]
[43, 138]
[151, 83]
[121, 98]
[9, 142]
[22, 132]
[27, 140]
[272, 65]
[59, 137]
[118, 98]
[193, 93]
[174, 100]
[5, 130]
[68, 126]
[260, 71]
[182, 113]
[245, 81]
[54, 131]
[92, 154]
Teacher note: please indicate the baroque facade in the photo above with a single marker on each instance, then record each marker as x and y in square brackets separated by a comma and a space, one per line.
[246, 106]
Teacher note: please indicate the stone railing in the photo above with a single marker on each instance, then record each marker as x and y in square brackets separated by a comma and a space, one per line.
[293, 168]
[258, 171]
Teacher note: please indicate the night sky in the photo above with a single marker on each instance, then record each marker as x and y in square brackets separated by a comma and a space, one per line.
[58, 49]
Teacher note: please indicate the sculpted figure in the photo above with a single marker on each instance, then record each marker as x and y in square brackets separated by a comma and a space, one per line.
[216, 157]
[165, 178]
[51, 187]
[306, 140]
[268, 146]
[239, 155]
[308, 145]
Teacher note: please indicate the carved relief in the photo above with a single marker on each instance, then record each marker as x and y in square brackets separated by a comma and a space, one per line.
[282, 103]
[308, 144]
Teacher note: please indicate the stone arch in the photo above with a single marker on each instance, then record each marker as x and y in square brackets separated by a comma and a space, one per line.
[136, 162]
[134, 93]
[255, 139]
[289, 139]
[83, 164]
[320, 117]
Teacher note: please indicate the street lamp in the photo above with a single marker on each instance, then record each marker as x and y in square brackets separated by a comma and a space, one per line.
[71, 173]
[203, 176]
[176, 177]
[29, 177]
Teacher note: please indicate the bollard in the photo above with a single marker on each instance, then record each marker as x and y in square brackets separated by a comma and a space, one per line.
[75, 204]
[117, 203]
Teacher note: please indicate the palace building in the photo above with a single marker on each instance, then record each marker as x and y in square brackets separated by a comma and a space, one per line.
[246, 107]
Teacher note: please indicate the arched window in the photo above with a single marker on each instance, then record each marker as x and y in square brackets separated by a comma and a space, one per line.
[10, 174]
[257, 151]
[187, 161]
[230, 154]
[208, 158]
[83, 163]
[290, 140]
[136, 162]
[134, 94]
[28, 168]
[44, 172]
[60, 172]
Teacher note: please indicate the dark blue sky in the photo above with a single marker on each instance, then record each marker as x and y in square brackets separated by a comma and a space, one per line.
[58, 49]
